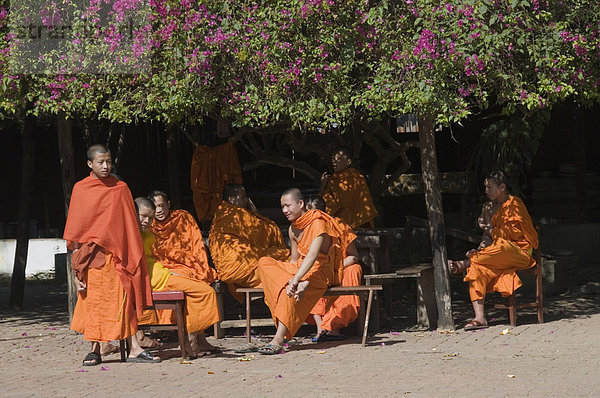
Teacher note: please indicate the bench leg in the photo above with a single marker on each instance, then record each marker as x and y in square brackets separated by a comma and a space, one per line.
[218, 330]
[248, 316]
[181, 334]
[361, 315]
[426, 307]
[124, 348]
[512, 312]
[376, 311]
[369, 302]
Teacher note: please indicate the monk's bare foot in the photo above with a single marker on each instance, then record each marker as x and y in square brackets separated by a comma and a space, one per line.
[201, 347]
[147, 342]
[107, 349]
[476, 324]
[302, 286]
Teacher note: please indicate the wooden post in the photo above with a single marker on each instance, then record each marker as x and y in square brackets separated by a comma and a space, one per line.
[67, 170]
[17, 286]
[435, 215]
[173, 165]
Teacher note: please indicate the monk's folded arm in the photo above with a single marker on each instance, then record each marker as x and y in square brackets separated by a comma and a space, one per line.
[309, 260]
[351, 255]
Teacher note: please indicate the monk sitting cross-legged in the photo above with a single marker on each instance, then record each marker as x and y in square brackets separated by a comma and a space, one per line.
[201, 309]
[506, 247]
[333, 313]
[239, 237]
[108, 259]
[346, 193]
[179, 245]
[292, 289]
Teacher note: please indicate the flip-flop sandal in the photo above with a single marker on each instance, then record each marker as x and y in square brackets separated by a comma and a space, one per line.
[475, 325]
[92, 359]
[144, 357]
[270, 349]
[246, 348]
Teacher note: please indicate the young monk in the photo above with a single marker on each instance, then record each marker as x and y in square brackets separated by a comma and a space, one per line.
[239, 237]
[179, 245]
[492, 266]
[108, 260]
[201, 309]
[346, 193]
[333, 313]
[292, 289]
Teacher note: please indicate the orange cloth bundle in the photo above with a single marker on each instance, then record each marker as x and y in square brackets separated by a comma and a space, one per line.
[212, 169]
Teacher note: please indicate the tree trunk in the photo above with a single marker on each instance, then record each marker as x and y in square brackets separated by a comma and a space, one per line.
[173, 165]
[17, 286]
[67, 170]
[435, 215]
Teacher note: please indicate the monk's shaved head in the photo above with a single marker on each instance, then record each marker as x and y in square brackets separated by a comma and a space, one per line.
[154, 194]
[315, 202]
[96, 149]
[231, 191]
[144, 202]
[345, 150]
[295, 193]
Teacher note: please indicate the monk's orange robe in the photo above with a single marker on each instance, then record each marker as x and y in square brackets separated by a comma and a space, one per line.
[275, 275]
[180, 248]
[201, 309]
[347, 196]
[212, 169]
[238, 239]
[339, 312]
[102, 217]
[493, 267]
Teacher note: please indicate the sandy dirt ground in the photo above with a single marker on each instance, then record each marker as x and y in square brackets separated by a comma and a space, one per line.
[41, 357]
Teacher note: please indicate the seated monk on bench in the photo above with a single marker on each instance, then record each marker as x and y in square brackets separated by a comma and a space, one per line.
[346, 193]
[239, 237]
[333, 313]
[506, 246]
[179, 245]
[201, 309]
[292, 289]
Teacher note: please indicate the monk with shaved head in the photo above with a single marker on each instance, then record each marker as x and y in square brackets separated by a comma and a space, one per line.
[333, 313]
[293, 288]
[201, 310]
[108, 260]
[239, 237]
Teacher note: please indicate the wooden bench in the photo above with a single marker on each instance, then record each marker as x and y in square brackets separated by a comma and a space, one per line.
[426, 306]
[361, 291]
[165, 300]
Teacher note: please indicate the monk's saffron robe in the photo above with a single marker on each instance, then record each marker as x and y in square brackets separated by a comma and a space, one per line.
[212, 169]
[325, 271]
[347, 196]
[238, 239]
[111, 260]
[180, 248]
[201, 309]
[513, 239]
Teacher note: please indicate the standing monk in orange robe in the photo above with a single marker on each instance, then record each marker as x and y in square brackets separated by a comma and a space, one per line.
[108, 259]
[346, 193]
[292, 289]
[239, 237]
[333, 313]
[492, 267]
[179, 245]
[201, 309]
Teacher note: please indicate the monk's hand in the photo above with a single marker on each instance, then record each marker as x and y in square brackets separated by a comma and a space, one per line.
[291, 287]
[81, 285]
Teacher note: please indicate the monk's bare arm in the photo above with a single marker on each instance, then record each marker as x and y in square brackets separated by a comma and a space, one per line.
[351, 255]
[320, 244]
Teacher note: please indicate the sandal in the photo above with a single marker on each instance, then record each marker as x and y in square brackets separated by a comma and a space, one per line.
[246, 348]
[475, 325]
[270, 349]
[144, 357]
[92, 359]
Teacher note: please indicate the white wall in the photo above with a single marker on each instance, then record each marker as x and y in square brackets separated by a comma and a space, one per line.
[40, 255]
